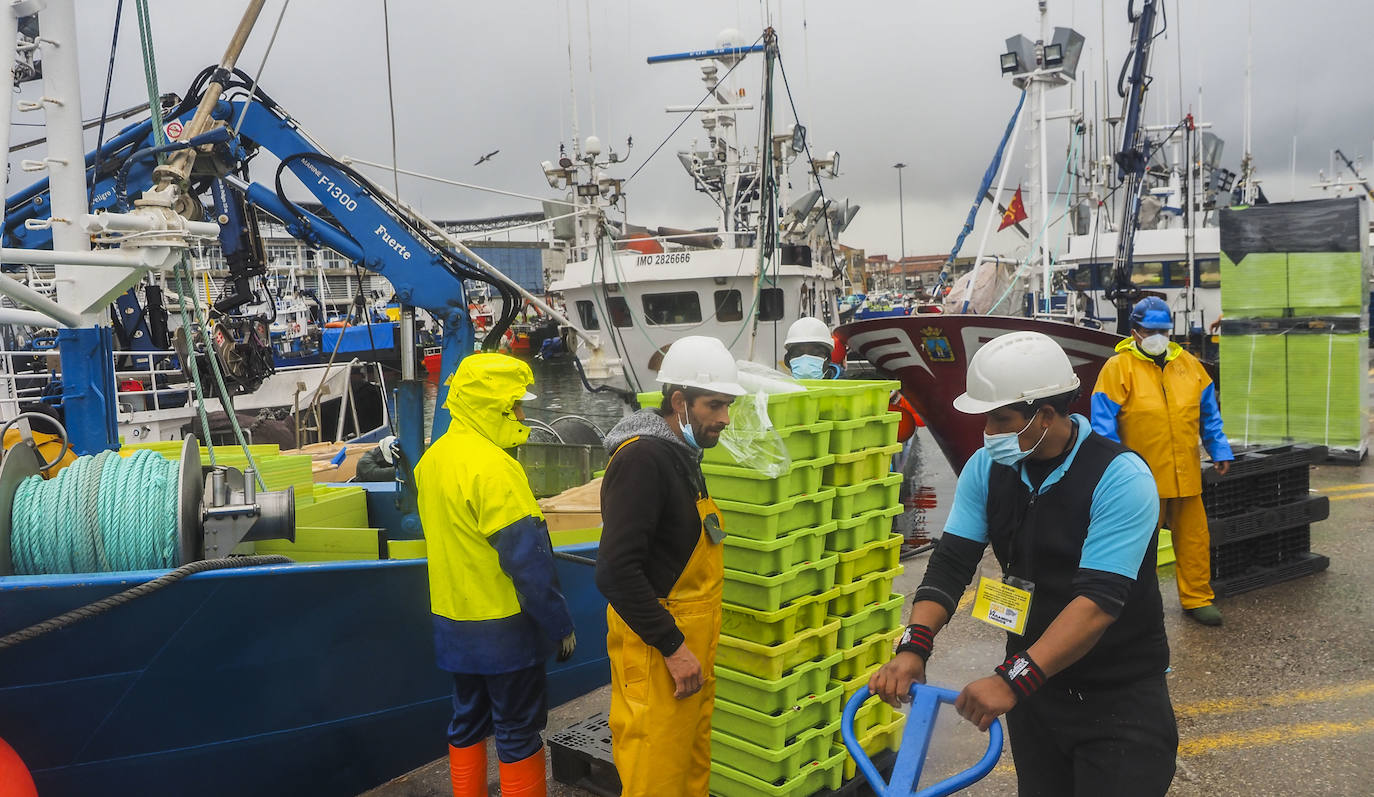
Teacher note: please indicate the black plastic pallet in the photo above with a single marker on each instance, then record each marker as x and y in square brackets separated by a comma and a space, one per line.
[1302, 512]
[1304, 565]
[1249, 462]
[581, 756]
[1264, 550]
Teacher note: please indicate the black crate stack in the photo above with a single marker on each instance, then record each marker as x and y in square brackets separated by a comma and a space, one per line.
[1260, 516]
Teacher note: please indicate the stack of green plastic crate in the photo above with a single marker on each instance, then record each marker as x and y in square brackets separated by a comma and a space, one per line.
[1294, 344]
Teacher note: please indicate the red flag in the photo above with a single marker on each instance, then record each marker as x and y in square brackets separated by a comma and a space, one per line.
[1016, 211]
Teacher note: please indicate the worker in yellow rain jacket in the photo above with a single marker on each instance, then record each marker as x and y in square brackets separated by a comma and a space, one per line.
[497, 607]
[661, 568]
[1157, 399]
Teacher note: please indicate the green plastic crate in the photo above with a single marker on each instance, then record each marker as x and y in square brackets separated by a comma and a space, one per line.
[869, 620]
[845, 399]
[766, 522]
[859, 466]
[726, 781]
[1327, 280]
[775, 556]
[851, 685]
[1254, 388]
[875, 557]
[875, 649]
[771, 765]
[856, 499]
[802, 442]
[863, 433]
[1255, 287]
[875, 713]
[784, 409]
[880, 737]
[770, 628]
[774, 729]
[768, 593]
[869, 589]
[1332, 408]
[774, 694]
[745, 485]
[858, 531]
[771, 662]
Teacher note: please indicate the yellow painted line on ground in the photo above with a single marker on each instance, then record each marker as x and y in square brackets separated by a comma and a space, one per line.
[1279, 734]
[1351, 496]
[1346, 488]
[1233, 705]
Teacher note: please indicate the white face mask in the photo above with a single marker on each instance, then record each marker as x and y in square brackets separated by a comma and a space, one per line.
[1155, 345]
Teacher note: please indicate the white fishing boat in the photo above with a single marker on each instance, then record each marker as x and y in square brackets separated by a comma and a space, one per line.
[634, 289]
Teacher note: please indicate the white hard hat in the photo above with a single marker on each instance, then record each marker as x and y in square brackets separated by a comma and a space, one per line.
[703, 363]
[809, 330]
[1015, 367]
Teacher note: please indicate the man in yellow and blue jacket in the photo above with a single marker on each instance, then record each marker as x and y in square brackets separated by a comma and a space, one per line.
[497, 607]
[1157, 399]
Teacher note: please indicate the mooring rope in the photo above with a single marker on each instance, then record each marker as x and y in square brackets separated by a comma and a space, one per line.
[100, 514]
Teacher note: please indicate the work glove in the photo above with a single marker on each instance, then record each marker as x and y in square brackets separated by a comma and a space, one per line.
[567, 646]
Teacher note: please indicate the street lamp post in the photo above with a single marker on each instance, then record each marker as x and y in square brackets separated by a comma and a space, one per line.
[901, 210]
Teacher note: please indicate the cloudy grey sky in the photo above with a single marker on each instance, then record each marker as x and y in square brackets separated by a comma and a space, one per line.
[879, 81]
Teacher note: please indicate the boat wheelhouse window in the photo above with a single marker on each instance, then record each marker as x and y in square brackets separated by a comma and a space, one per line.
[587, 312]
[1178, 274]
[1209, 273]
[682, 307]
[1082, 278]
[770, 304]
[619, 311]
[729, 306]
[1148, 275]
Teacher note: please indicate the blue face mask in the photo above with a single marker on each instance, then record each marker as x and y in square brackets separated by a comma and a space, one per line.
[687, 434]
[1005, 448]
[807, 366]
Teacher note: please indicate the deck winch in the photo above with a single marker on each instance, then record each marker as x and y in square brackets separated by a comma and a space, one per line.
[213, 509]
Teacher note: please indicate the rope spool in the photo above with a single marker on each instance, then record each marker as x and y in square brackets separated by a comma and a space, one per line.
[100, 514]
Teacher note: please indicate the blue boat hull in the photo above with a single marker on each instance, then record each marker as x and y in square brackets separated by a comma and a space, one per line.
[298, 679]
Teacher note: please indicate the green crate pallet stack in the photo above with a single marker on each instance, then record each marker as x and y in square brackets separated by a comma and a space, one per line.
[809, 612]
[1294, 342]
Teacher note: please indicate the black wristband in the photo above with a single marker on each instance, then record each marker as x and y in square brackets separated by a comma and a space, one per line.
[1022, 674]
[917, 639]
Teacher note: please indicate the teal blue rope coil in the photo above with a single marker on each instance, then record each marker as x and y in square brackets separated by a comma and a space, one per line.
[100, 514]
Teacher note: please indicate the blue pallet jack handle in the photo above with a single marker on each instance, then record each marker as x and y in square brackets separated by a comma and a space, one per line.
[911, 757]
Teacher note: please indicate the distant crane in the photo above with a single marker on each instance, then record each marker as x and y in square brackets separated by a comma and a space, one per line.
[486, 157]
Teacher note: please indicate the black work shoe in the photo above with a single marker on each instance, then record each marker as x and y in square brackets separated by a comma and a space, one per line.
[1207, 615]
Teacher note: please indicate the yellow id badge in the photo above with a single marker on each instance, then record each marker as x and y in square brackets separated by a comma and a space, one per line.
[1002, 605]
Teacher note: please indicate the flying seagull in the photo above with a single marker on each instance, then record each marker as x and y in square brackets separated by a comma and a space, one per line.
[486, 157]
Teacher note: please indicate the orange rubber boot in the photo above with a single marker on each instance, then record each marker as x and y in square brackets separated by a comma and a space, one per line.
[467, 768]
[524, 778]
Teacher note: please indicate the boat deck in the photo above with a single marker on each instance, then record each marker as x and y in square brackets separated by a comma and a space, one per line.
[1279, 700]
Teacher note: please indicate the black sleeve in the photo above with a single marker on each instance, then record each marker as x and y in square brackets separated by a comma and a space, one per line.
[372, 468]
[1108, 590]
[951, 568]
[632, 495]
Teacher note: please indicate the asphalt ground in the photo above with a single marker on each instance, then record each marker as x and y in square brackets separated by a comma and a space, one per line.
[1277, 701]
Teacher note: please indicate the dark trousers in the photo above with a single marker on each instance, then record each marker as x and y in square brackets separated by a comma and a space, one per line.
[1121, 741]
[512, 706]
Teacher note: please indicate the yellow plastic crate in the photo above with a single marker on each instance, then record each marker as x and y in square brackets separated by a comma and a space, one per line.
[746, 485]
[856, 532]
[876, 649]
[769, 521]
[863, 433]
[773, 730]
[768, 593]
[768, 558]
[877, 556]
[878, 738]
[861, 466]
[802, 442]
[871, 619]
[845, 399]
[770, 628]
[775, 694]
[817, 776]
[774, 765]
[853, 500]
[770, 662]
[872, 588]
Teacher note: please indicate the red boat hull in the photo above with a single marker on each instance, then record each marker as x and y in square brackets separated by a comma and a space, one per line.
[929, 353]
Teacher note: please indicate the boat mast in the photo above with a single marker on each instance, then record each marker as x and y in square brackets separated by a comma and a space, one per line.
[767, 239]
